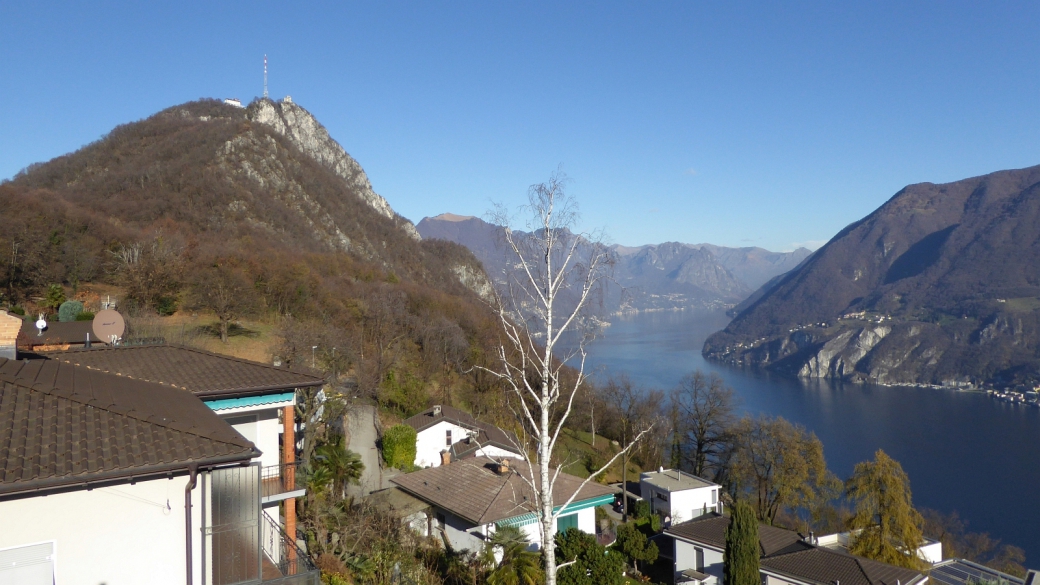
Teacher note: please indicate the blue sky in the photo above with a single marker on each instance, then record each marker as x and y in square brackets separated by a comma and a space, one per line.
[768, 124]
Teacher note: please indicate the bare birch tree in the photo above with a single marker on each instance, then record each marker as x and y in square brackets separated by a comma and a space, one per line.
[555, 278]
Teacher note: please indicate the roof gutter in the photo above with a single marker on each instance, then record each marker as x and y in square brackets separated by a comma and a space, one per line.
[243, 392]
[36, 486]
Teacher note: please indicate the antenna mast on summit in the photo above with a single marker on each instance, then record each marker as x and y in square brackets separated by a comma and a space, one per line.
[265, 77]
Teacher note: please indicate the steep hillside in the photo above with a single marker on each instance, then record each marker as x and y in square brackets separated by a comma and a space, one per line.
[250, 211]
[654, 277]
[940, 285]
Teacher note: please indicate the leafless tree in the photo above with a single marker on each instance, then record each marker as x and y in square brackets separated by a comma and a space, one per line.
[634, 411]
[703, 408]
[556, 273]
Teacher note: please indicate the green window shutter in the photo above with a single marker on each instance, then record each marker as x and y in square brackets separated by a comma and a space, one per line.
[565, 522]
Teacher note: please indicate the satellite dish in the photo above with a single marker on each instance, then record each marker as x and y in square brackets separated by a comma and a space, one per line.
[109, 325]
[41, 324]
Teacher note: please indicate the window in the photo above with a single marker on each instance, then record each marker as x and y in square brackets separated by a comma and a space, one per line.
[565, 522]
[32, 565]
[700, 559]
[440, 519]
[714, 497]
[662, 496]
[447, 439]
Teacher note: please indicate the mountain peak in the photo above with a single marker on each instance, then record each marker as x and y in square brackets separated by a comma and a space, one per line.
[453, 217]
[305, 132]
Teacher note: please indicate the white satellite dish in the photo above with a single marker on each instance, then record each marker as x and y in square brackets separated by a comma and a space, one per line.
[41, 324]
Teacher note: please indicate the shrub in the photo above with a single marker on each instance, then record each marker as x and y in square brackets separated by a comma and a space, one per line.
[399, 447]
[55, 297]
[18, 310]
[68, 311]
[642, 509]
[166, 305]
[85, 316]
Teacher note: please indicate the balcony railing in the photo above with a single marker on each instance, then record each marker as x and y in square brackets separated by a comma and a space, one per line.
[280, 479]
[284, 562]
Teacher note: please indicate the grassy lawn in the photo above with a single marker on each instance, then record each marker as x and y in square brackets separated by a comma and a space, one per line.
[577, 450]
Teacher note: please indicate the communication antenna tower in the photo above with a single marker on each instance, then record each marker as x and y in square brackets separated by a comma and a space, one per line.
[265, 77]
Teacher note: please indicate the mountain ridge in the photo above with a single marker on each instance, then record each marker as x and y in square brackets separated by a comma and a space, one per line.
[666, 276]
[936, 286]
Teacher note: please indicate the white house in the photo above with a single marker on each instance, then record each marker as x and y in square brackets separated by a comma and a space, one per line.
[470, 498]
[445, 434]
[787, 558]
[678, 495]
[109, 479]
[257, 399]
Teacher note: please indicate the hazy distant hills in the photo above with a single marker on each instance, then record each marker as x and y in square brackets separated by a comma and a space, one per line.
[940, 285]
[653, 277]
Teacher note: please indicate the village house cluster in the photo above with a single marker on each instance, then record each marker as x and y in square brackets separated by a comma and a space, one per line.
[180, 465]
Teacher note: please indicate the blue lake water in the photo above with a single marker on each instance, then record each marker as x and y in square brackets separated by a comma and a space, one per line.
[963, 451]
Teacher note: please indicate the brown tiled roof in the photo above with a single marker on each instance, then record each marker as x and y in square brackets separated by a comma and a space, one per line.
[201, 372]
[785, 552]
[63, 425]
[824, 566]
[474, 491]
[710, 529]
[56, 333]
[487, 433]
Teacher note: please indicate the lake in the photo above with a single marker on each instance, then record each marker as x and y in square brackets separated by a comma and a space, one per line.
[962, 451]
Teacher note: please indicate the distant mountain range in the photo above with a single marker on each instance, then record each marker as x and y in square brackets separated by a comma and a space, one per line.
[665, 276]
[940, 285]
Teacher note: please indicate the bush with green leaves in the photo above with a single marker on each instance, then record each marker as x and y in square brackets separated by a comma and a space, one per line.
[634, 545]
[642, 509]
[55, 297]
[68, 310]
[85, 316]
[399, 447]
[594, 564]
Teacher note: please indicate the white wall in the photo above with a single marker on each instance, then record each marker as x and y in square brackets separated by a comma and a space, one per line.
[430, 443]
[496, 452]
[259, 425]
[121, 535]
[680, 505]
[686, 558]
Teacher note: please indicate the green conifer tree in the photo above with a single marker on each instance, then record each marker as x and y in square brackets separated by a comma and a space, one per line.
[740, 560]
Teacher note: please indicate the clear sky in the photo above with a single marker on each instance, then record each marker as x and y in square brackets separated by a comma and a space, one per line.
[769, 124]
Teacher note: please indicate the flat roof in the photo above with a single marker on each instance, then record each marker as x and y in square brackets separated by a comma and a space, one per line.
[673, 480]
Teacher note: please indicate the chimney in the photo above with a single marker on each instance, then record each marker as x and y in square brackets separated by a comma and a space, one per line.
[445, 457]
[10, 325]
[503, 467]
[436, 410]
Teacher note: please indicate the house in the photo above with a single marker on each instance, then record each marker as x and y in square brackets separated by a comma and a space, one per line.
[930, 550]
[257, 399]
[446, 433]
[56, 336]
[470, 498]
[109, 479]
[787, 558]
[10, 325]
[677, 496]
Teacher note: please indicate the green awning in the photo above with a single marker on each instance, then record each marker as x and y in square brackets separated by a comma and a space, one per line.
[531, 517]
[250, 400]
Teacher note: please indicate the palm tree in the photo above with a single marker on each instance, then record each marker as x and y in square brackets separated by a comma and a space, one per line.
[334, 462]
[519, 566]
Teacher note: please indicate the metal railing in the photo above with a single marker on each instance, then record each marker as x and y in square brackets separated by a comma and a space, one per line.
[279, 479]
[293, 565]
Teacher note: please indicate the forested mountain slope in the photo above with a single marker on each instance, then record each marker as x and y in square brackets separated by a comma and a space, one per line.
[261, 205]
[940, 285]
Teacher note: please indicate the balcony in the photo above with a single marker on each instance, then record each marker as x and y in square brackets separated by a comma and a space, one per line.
[283, 562]
[281, 482]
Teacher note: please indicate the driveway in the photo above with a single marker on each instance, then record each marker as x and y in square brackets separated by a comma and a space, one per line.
[362, 434]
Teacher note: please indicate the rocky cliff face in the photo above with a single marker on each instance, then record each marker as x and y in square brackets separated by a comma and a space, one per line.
[940, 285]
[308, 135]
